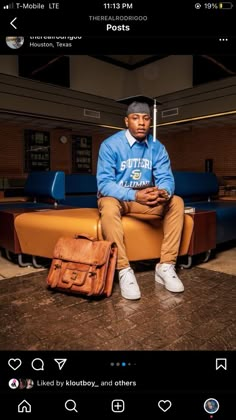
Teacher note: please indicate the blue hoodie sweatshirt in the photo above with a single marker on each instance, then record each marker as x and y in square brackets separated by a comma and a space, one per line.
[125, 165]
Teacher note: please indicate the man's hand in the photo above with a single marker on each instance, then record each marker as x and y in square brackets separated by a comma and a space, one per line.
[164, 194]
[151, 196]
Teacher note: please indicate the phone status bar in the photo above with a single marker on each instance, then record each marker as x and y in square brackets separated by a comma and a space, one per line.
[225, 5]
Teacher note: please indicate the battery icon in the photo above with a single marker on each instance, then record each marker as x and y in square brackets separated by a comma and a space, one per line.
[226, 5]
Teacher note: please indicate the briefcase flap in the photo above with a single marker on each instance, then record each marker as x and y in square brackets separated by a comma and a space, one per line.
[84, 251]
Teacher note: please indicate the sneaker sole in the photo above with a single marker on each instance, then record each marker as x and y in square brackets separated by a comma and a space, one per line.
[174, 290]
[130, 297]
[159, 280]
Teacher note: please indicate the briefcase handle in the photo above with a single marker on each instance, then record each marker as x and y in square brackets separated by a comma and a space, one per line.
[84, 236]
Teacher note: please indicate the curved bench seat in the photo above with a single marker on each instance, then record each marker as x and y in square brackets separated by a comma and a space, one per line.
[38, 231]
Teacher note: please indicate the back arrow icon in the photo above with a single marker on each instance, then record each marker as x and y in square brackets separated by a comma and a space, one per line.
[12, 23]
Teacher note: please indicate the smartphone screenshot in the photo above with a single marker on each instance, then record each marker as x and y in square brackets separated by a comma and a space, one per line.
[117, 209]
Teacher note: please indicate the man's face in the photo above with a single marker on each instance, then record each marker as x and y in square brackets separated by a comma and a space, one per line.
[138, 125]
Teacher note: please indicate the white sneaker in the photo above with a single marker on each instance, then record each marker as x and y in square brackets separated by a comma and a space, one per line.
[128, 284]
[165, 274]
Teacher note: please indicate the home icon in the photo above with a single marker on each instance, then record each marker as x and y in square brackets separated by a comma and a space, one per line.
[24, 407]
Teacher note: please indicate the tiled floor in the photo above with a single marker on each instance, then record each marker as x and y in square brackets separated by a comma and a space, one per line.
[223, 261]
[202, 318]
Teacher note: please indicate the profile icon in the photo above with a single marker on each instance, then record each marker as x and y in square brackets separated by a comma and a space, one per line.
[29, 383]
[13, 383]
[211, 405]
[22, 383]
[14, 42]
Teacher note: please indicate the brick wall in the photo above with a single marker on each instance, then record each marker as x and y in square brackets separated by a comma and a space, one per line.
[187, 149]
[12, 150]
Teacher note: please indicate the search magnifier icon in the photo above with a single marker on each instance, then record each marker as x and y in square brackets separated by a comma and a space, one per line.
[70, 405]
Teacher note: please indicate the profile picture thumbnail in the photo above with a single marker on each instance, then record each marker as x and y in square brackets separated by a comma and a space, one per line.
[29, 383]
[211, 405]
[21, 383]
[14, 42]
[13, 383]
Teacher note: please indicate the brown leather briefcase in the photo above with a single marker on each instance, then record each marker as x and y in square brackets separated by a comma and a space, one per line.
[83, 265]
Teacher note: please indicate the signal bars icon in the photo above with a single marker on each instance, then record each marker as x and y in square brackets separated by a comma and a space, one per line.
[9, 6]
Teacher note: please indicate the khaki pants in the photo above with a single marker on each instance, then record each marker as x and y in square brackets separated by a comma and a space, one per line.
[172, 213]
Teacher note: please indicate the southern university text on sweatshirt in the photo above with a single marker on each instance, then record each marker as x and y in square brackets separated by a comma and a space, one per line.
[125, 165]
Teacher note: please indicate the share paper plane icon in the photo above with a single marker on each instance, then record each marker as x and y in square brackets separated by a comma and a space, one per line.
[60, 363]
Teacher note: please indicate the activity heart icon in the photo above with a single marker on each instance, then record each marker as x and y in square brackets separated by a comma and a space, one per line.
[14, 363]
[164, 405]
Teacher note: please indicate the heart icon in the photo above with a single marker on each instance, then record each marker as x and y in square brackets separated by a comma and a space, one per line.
[14, 363]
[164, 405]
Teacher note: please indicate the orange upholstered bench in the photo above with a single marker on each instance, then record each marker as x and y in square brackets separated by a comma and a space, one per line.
[38, 232]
